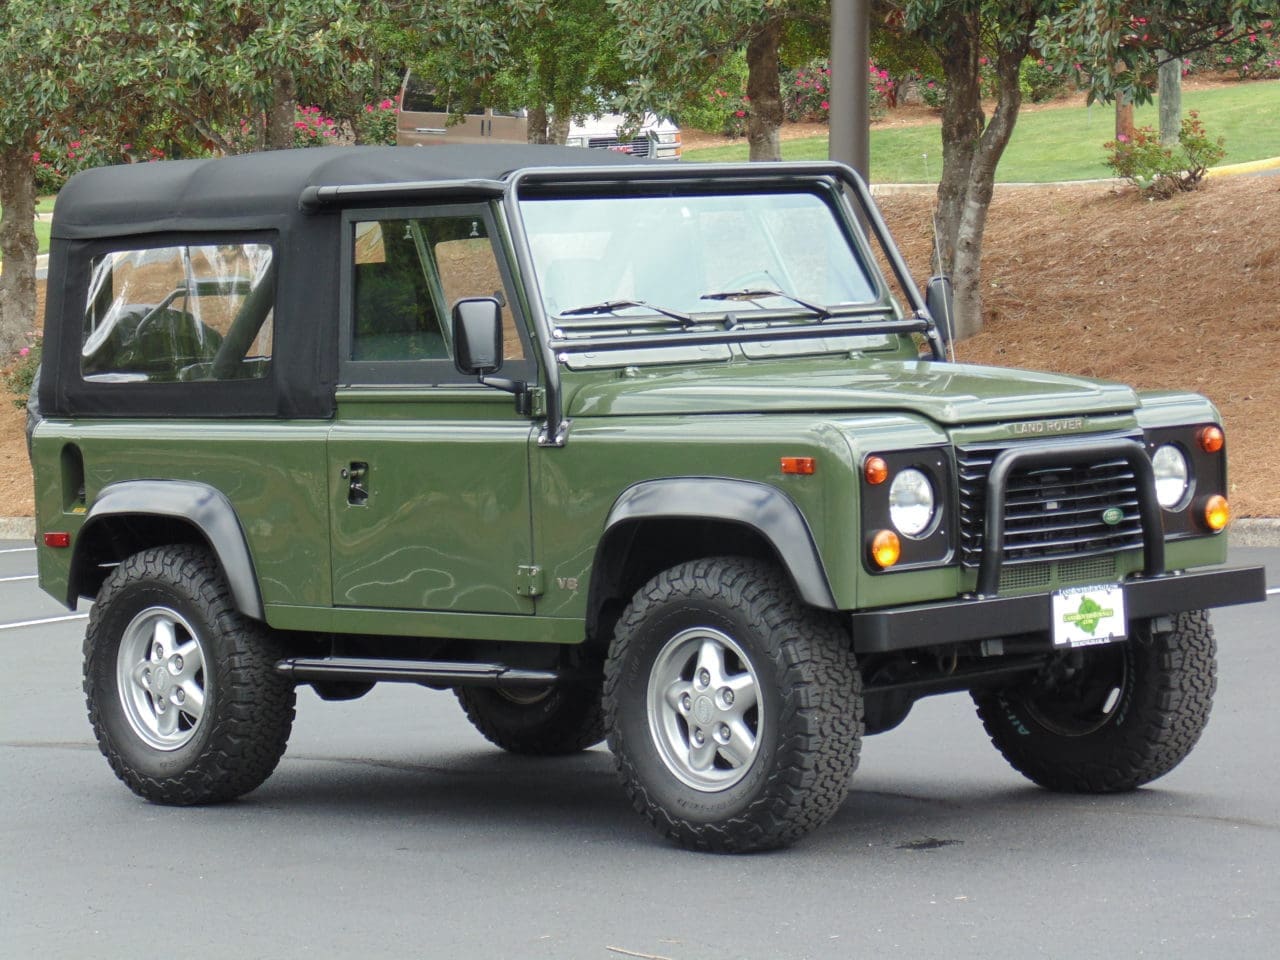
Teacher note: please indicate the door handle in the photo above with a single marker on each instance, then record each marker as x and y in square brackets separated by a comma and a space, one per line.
[354, 474]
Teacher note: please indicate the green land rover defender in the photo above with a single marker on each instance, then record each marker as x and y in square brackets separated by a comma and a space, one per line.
[642, 451]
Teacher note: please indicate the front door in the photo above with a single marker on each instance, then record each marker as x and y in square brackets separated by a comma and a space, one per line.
[428, 470]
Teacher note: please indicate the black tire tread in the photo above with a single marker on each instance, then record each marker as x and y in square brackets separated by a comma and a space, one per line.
[255, 709]
[1179, 671]
[821, 704]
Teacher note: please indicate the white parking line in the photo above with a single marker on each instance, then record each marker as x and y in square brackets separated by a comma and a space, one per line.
[1272, 591]
[18, 550]
[31, 576]
[36, 623]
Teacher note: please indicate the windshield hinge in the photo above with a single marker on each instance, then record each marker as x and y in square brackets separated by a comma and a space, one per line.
[529, 580]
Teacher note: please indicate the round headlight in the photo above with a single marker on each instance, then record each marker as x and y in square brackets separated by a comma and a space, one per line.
[911, 503]
[1172, 475]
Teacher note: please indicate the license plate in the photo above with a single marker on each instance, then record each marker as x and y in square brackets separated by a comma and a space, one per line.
[1085, 616]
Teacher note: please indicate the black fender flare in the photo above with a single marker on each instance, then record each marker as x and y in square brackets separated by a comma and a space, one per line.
[763, 508]
[199, 504]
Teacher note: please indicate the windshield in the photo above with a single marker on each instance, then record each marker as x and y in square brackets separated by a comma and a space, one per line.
[628, 256]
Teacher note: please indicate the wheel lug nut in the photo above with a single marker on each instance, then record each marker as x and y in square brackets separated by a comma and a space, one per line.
[179, 696]
[686, 702]
[722, 733]
[704, 677]
[177, 663]
[726, 695]
[699, 737]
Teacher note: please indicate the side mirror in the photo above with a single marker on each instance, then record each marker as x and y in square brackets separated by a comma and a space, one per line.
[941, 303]
[477, 336]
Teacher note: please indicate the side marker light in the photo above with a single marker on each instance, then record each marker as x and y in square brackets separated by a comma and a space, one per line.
[799, 466]
[57, 540]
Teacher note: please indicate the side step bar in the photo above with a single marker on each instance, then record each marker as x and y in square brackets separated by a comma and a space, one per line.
[444, 673]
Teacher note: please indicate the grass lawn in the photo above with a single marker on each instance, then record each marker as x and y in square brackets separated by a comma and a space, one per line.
[1060, 143]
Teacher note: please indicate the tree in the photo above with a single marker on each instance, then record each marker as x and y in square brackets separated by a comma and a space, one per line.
[558, 58]
[180, 73]
[675, 46]
[1120, 44]
[965, 35]
[39, 45]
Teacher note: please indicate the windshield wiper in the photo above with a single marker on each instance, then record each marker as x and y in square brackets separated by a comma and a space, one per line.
[613, 306]
[821, 312]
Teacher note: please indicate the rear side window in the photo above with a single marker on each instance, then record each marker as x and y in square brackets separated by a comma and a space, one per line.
[179, 314]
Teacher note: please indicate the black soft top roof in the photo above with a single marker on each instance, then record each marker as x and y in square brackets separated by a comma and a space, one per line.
[195, 194]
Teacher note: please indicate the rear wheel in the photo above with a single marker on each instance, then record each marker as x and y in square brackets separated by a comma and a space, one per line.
[542, 721]
[734, 711]
[1110, 718]
[180, 686]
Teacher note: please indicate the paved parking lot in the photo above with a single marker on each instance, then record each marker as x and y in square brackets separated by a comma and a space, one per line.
[392, 829]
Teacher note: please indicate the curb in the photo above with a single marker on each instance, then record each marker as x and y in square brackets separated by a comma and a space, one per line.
[1252, 166]
[1245, 532]
[17, 528]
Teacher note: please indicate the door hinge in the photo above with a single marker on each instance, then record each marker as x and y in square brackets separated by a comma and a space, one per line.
[537, 402]
[529, 580]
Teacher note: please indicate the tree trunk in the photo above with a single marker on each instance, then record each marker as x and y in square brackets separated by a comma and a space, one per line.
[1170, 100]
[970, 156]
[764, 120]
[281, 112]
[539, 126]
[962, 122]
[558, 129]
[18, 249]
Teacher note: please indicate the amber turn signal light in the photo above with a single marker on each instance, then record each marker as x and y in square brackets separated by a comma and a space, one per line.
[1217, 513]
[875, 470]
[885, 549]
[799, 466]
[1211, 439]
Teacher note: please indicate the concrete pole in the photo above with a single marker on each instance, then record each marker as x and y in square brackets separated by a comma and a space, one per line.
[850, 48]
[1170, 100]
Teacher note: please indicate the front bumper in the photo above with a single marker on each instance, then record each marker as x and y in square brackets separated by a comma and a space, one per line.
[983, 618]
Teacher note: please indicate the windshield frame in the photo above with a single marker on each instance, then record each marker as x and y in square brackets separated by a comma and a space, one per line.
[837, 181]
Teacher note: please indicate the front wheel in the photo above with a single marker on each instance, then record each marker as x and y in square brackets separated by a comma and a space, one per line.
[1110, 718]
[180, 686]
[734, 711]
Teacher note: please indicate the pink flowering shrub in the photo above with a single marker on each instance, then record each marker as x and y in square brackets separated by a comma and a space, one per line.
[1253, 56]
[376, 124]
[63, 154]
[806, 92]
[17, 379]
[1161, 172]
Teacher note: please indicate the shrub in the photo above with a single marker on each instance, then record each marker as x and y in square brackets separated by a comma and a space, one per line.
[1041, 81]
[19, 377]
[377, 123]
[64, 153]
[1254, 56]
[1160, 171]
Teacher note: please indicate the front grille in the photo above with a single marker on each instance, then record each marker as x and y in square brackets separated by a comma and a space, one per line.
[639, 147]
[1050, 512]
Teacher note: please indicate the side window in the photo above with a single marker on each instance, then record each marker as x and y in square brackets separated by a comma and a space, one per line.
[179, 313]
[406, 275]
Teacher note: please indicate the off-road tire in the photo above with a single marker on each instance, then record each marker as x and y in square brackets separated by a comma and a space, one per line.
[248, 711]
[561, 719]
[808, 703]
[1165, 674]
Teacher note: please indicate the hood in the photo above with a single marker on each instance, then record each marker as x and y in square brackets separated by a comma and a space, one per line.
[946, 393]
